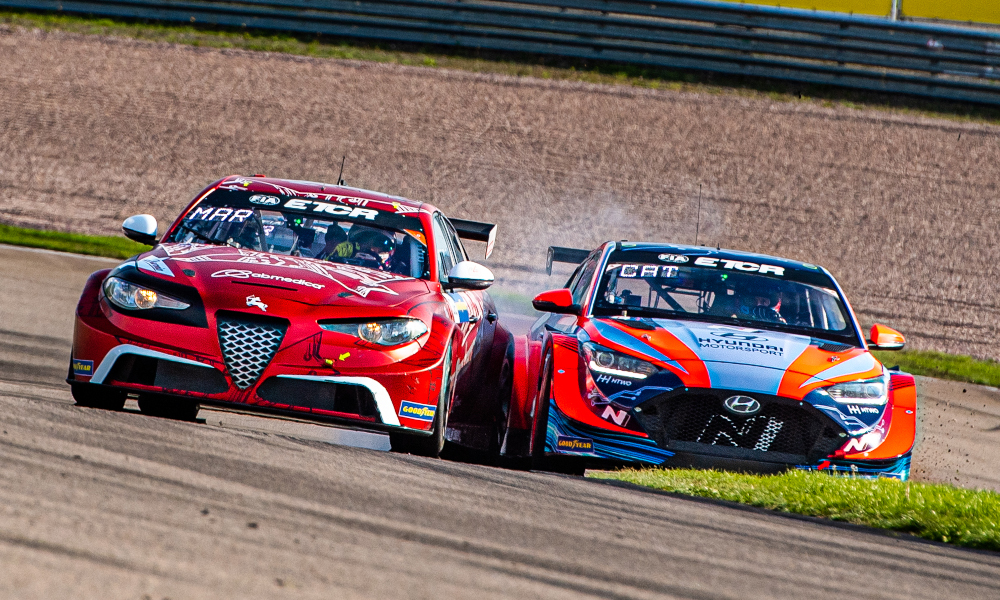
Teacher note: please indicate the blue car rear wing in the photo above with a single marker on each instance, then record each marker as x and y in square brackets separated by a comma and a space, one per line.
[572, 256]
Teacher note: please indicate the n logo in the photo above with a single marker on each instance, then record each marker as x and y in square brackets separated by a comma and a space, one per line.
[620, 417]
[757, 433]
[865, 443]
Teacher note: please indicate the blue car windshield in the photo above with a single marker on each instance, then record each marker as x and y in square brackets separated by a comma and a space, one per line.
[293, 226]
[749, 294]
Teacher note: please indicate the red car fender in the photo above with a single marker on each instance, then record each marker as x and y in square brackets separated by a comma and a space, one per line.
[90, 299]
[525, 388]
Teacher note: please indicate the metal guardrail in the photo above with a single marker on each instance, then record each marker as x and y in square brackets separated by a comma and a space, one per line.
[822, 48]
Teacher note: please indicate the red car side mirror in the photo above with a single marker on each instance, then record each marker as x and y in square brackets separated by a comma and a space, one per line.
[556, 301]
[885, 338]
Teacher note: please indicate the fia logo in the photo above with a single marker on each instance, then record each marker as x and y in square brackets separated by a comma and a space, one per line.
[265, 200]
[256, 301]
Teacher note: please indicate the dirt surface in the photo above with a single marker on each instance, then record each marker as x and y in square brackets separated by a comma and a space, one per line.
[100, 504]
[903, 209]
[958, 434]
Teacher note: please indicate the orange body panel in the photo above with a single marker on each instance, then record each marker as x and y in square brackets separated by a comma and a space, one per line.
[569, 397]
[813, 362]
[901, 422]
[694, 373]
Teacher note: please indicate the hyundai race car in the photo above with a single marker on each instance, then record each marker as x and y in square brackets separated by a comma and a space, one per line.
[307, 300]
[690, 356]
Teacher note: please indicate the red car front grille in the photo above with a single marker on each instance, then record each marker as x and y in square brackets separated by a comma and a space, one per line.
[248, 345]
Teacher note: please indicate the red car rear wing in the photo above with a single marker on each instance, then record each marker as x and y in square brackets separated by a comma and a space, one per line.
[476, 231]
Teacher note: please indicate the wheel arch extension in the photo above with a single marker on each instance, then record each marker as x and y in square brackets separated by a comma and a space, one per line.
[524, 391]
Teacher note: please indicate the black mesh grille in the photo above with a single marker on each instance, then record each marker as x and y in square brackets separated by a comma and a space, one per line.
[783, 430]
[830, 346]
[248, 345]
[146, 370]
[333, 397]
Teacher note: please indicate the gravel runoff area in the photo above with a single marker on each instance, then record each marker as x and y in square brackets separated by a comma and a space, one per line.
[902, 208]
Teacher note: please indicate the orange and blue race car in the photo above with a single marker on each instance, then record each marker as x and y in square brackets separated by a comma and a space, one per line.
[690, 356]
[305, 300]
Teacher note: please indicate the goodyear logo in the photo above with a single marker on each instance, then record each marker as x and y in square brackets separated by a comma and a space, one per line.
[420, 412]
[574, 444]
[83, 367]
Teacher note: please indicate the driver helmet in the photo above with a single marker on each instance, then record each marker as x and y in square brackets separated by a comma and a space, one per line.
[373, 246]
[336, 244]
[758, 300]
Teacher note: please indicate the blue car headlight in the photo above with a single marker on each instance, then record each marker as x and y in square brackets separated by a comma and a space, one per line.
[873, 392]
[610, 362]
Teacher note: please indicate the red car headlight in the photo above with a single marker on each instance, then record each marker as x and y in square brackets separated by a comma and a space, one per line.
[384, 332]
[130, 296]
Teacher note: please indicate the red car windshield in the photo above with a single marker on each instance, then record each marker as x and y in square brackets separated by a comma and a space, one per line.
[293, 226]
[641, 286]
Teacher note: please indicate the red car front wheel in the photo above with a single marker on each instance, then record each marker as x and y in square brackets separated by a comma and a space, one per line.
[92, 396]
[433, 444]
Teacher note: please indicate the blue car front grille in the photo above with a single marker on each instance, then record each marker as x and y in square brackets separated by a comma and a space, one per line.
[782, 430]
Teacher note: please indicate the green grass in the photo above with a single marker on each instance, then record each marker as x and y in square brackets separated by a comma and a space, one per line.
[512, 302]
[114, 247]
[955, 367]
[505, 63]
[941, 513]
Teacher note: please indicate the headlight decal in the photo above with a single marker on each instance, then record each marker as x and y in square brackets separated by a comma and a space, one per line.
[869, 391]
[857, 415]
[862, 392]
[619, 337]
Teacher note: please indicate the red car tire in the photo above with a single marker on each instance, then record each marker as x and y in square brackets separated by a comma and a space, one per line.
[167, 407]
[432, 445]
[92, 396]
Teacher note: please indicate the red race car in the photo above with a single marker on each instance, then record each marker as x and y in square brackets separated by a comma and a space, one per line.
[692, 356]
[308, 300]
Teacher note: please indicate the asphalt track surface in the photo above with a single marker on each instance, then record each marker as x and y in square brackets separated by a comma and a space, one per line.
[99, 504]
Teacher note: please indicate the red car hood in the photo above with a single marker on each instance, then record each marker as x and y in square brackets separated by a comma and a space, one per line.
[230, 277]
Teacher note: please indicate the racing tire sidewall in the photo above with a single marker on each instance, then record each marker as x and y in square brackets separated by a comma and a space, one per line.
[540, 424]
[168, 408]
[567, 465]
[432, 445]
[91, 396]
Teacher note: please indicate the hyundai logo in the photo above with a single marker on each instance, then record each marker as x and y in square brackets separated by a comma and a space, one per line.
[741, 405]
